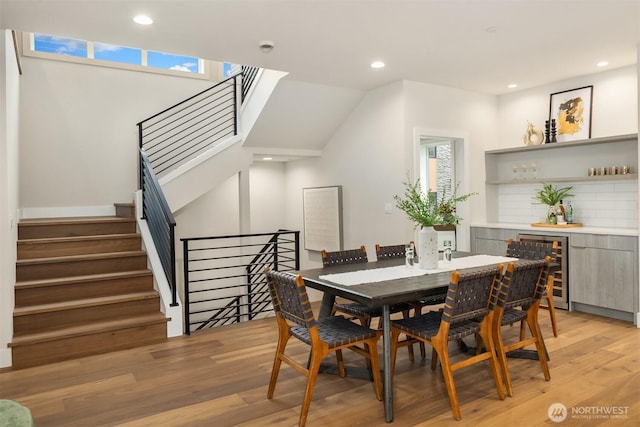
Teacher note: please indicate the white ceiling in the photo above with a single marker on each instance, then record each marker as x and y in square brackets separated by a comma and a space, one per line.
[326, 46]
[445, 42]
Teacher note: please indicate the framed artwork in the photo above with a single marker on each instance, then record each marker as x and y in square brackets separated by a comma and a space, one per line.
[322, 210]
[571, 110]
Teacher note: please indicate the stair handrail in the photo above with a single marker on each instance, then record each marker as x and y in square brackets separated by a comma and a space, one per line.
[155, 208]
[156, 211]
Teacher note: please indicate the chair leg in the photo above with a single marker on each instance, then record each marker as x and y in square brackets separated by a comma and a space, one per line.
[552, 313]
[283, 338]
[485, 334]
[341, 371]
[316, 358]
[502, 358]
[434, 359]
[375, 366]
[443, 352]
[534, 327]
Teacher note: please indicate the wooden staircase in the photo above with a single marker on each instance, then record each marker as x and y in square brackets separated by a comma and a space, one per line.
[82, 288]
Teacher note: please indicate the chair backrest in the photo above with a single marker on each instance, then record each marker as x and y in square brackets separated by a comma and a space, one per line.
[470, 295]
[529, 249]
[350, 256]
[289, 298]
[390, 252]
[523, 282]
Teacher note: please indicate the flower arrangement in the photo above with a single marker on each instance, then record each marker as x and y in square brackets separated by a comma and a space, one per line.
[425, 210]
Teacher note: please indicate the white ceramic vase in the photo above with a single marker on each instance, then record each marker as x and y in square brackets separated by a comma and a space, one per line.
[428, 248]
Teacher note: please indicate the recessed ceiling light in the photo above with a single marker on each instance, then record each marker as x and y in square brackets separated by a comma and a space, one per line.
[143, 20]
[512, 85]
[602, 64]
[491, 29]
[377, 64]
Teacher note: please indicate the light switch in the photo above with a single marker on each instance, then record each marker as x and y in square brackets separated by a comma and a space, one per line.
[387, 208]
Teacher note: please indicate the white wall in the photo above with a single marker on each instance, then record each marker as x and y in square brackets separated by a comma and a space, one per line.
[9, 123]
[268, 210]
[78, 130]
[615, 112]
[367, 157]
[371, 154]
[615, 106]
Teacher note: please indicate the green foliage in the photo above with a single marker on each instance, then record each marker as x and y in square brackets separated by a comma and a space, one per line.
[425, 210]
[551, 195]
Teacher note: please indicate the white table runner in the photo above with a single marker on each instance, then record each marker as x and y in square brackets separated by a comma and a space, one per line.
[401, 271]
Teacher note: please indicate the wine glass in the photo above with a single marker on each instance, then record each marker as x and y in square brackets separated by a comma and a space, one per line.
[514, 167]
[534, 169]
[524, 170]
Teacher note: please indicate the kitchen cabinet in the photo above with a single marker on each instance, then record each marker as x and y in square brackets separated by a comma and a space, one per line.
[491, 241]
[603, 271]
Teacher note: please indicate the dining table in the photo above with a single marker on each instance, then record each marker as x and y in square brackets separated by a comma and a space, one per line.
[387, 282]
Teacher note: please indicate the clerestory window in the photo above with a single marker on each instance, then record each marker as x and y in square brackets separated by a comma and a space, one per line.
[105, 54]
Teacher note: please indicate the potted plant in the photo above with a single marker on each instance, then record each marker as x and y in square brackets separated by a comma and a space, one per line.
[426, 211]
[551, 195]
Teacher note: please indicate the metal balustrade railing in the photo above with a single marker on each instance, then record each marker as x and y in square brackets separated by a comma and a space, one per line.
[173, 137]
[224, 280]
[181, 132]
[155, 210]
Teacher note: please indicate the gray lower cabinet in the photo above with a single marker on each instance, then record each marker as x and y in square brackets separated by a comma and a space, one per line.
[491, 241]
[603, 272]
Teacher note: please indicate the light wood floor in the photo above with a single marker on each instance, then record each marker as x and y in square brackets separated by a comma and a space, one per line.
[219, 378]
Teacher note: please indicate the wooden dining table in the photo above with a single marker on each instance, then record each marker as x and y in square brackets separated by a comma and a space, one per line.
[379, 294]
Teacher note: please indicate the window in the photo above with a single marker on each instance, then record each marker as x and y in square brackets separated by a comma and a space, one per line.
[105, 54]
[60, 45]
[110, 52]
[437, 170]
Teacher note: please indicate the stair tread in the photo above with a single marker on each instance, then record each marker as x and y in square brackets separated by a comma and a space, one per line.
[64, 258]
[77, 238]
[89, 328]
[78, 279]
[86, 302]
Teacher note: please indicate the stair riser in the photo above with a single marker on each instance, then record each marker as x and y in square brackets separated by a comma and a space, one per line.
[78, 291]
[40, 322]
[40, 231]
[29, 250]
[75, 347]
[70, 268]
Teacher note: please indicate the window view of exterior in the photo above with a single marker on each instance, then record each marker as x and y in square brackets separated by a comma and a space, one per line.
[60, 45]
[113, 53]
[109, 52]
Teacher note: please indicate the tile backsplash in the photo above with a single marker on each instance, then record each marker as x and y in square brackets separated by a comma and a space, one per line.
[595, 204]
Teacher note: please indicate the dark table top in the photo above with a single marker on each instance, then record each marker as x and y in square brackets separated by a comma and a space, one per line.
[377, 294]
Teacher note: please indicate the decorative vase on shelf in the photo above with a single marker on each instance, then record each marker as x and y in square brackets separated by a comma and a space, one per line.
[428, 248]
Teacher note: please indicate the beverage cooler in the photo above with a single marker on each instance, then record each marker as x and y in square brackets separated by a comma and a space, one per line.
[561, 279]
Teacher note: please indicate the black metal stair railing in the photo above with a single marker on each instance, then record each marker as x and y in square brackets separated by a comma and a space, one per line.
[173, 137]
[162, 224]
[224, 280]
[181, 132]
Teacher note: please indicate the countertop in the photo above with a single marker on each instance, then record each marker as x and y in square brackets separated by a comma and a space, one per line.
[551, 230]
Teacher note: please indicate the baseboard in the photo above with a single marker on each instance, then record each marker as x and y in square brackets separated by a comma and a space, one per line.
[67, 212]
[5, 358]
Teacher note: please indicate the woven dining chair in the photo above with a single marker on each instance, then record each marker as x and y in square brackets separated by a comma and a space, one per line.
[363, 313]
[468, 310]
[295, 318]
[526, 249]
[522, 286]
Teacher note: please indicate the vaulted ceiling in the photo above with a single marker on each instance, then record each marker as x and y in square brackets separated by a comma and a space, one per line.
[477, 45]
